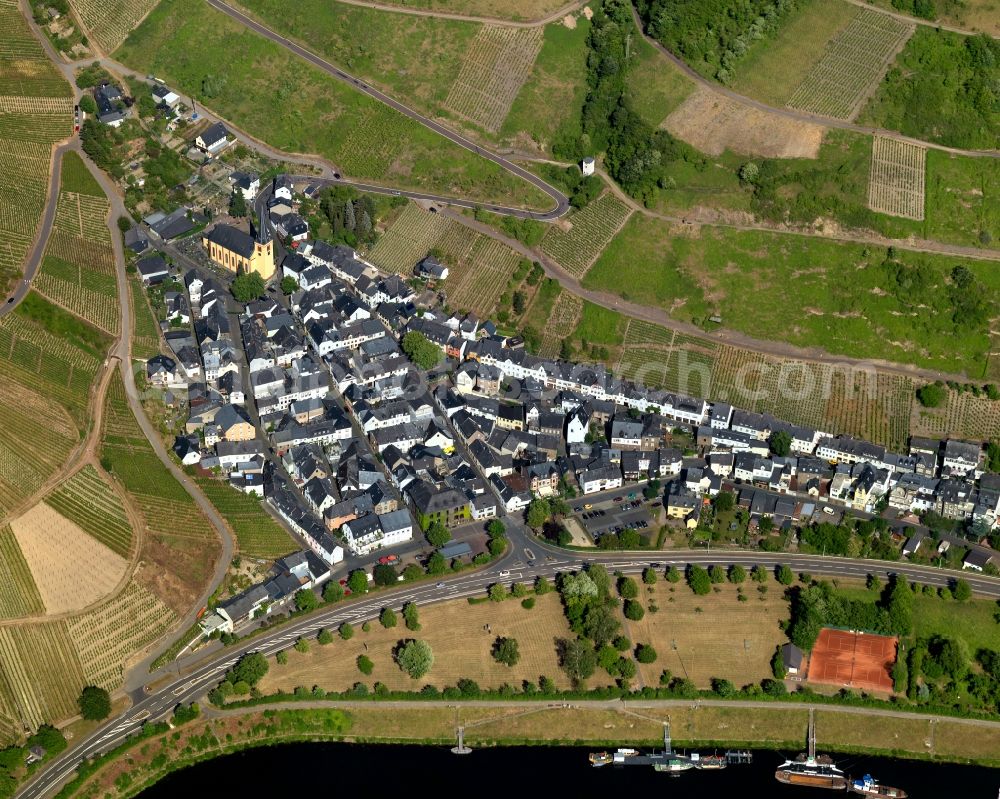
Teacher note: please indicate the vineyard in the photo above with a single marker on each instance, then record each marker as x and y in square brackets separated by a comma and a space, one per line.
[18, 593]
[896, 182]
[853, 62]
[660, 358]
[590, 230]
[964, 415]
[72, 570]
[495, 67]
[561, 323]
[257, 534]
[111, 21]
[36, 110]
[476, 282]
[146, 335]
[88, 501]
[23, 466]
[375, 144]
[107, 637]
[41, 673]
[408, 240]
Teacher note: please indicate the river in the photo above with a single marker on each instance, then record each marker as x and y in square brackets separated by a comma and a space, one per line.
[337, 769]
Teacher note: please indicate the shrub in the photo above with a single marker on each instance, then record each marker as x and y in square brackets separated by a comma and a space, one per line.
[365, 665]
[633, 610]
[645, 653]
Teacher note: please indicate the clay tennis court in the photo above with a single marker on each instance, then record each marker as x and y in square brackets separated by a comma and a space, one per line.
[858, 660]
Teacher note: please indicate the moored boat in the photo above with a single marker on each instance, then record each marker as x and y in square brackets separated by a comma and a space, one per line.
[869, 786]
[709, 762]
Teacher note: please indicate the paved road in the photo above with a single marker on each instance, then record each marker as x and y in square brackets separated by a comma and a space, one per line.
[195, 674]
[789, 113]
[560, 199]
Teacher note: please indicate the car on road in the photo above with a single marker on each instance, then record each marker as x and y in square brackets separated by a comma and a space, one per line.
[618, 499]
[439, 585]
[828, 510]
[588, 506]
[396, 194]
[385, 560]
[505, 573]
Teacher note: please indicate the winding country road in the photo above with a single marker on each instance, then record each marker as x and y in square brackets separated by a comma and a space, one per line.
[189, 678]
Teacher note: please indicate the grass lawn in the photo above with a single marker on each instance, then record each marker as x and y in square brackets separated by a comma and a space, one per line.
[458, 638]
[76, 177]
[412, 57]
[714, 185]
[552, 97]
[963, 199]
[277, 97]
[809, 292]
[774, 66]
[701, 637]
[599, 325]
[973, 621]
[655, 86]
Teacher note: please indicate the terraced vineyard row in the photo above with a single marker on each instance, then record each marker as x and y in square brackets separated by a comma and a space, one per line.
[375, 145]
[257, 533]
[18, 592]
[88, 501]
[476, 282]
[111, 21]
[565, 316]
[963, 415]
[146, 335]
[854, 60]
[896, 182]
[495, 66]
[408, 240]
[590, 230]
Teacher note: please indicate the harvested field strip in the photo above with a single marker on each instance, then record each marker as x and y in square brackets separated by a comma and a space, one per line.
[408, 240]
[565, 316]
[41, 670]
[896, 182]
[495, 67]
[590, 229]
[71, 569]
[257, 533]
[107, 637]
[111, 21]
[87, 500]
[852, 64]
[18, 593]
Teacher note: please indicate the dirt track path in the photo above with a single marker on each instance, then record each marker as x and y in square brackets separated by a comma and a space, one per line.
[507, 23]
[914, 20]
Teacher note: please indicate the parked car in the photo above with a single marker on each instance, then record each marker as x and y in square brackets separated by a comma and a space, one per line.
[387, 559]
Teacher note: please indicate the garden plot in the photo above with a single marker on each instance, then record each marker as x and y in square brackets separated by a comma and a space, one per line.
[565, 317]
[852, 65]
[495, 67]
[576, 242]
[896, 183]
[111, 21]
[71, 569]
[107, 637]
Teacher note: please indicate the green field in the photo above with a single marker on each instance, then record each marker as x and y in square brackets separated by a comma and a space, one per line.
[942, 88]
[774, 67]
[794, 289]
[74, 176]
[550, 100]
[89, 502]
[655, 86]
[599, 325]
[246, 78]
[258, 535]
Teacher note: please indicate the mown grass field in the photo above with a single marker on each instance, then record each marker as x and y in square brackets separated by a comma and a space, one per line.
[36, 110]
[458, 636]
[803, 296]
[194, 47]
[257, 534]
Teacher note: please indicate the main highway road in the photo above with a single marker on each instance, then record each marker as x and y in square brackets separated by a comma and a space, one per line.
[561, 202]
[526, 558]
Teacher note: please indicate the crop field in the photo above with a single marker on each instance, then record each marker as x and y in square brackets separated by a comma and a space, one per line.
[477, 281]
[146, 334]
[458, 636]
[963, 415]
[736, 644]
[111, 21]
[36, 110]
[257, 533]
[187, 42]
[851, 66]
[561, 323]
[41, 672]
[577, 245]
[896, 183]
[88, 501]
[78, 269]
[29, 451]
[408, 240]
[18, 592]
[495, 67]
[106, 638]
[71, 569]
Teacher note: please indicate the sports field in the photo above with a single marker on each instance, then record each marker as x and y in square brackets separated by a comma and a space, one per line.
[854, 660]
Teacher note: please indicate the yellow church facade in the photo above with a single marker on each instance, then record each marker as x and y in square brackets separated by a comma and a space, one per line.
[237, 250]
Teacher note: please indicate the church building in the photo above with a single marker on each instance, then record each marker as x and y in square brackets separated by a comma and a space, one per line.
[234, 249]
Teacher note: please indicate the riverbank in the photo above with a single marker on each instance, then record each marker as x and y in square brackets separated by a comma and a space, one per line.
[130, 770]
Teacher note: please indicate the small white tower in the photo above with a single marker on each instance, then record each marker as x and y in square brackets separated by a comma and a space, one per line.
[587, 166]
